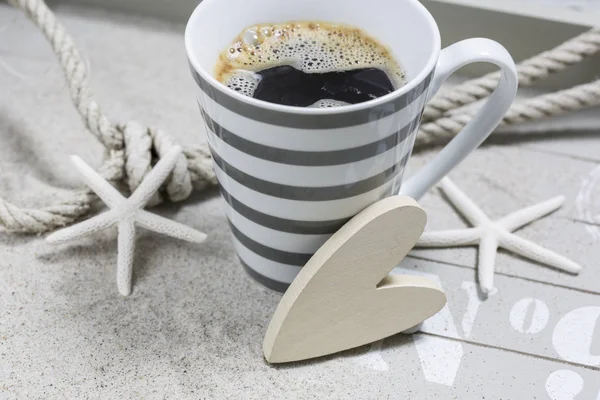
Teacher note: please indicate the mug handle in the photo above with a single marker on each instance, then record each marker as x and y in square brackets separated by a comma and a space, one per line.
[485, 121]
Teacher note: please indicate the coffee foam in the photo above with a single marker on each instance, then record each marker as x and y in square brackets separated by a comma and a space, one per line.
[308, 46]
[328, 103]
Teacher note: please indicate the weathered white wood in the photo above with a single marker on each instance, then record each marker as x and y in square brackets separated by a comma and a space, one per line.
[555, 10]
[344, 297]
[527, 317]
[502, 179]
[456, 369]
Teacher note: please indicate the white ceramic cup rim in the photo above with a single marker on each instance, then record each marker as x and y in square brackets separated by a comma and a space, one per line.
[411, 84]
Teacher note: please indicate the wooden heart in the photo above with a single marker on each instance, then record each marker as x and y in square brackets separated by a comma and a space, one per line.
[344, 297]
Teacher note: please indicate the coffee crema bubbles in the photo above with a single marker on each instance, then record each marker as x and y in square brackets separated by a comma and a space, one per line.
[309, 47]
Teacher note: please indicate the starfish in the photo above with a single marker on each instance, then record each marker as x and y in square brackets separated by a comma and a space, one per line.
[493, 234]
[126, 213]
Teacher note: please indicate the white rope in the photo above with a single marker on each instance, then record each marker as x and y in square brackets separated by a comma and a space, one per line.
[130, 147]
[552, 104]
[530, 71]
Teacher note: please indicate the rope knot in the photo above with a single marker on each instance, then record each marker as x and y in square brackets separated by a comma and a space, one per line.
[143, 147]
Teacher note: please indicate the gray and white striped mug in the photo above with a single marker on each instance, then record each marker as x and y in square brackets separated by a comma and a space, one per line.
[292, 176]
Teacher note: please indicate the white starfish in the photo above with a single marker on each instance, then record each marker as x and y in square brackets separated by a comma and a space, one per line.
[127, 213]
[493, 234]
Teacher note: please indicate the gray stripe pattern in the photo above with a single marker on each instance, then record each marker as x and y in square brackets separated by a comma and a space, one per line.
[280, 256]
[282, 224]
[308, 193]
[314, 121]
[263, 280]
[310, 158]
[396, 138]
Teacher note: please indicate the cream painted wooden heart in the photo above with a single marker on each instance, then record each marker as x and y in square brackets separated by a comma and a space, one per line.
[344, 297]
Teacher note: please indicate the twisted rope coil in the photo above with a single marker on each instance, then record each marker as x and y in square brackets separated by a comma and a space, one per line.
[130, 147]
[530, 71]
[548, 105]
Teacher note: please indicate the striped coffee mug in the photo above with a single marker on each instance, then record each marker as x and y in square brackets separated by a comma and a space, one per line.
[292, 176]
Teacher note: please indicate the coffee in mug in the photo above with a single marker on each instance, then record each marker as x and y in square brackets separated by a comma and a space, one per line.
[308, 64]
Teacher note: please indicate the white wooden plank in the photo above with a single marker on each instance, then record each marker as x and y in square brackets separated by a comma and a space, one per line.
[584, 13]
[503, 179]
[525, 317]
[481, 372]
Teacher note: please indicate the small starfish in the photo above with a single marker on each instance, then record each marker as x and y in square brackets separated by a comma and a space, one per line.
[493, 234]
[126, 213]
